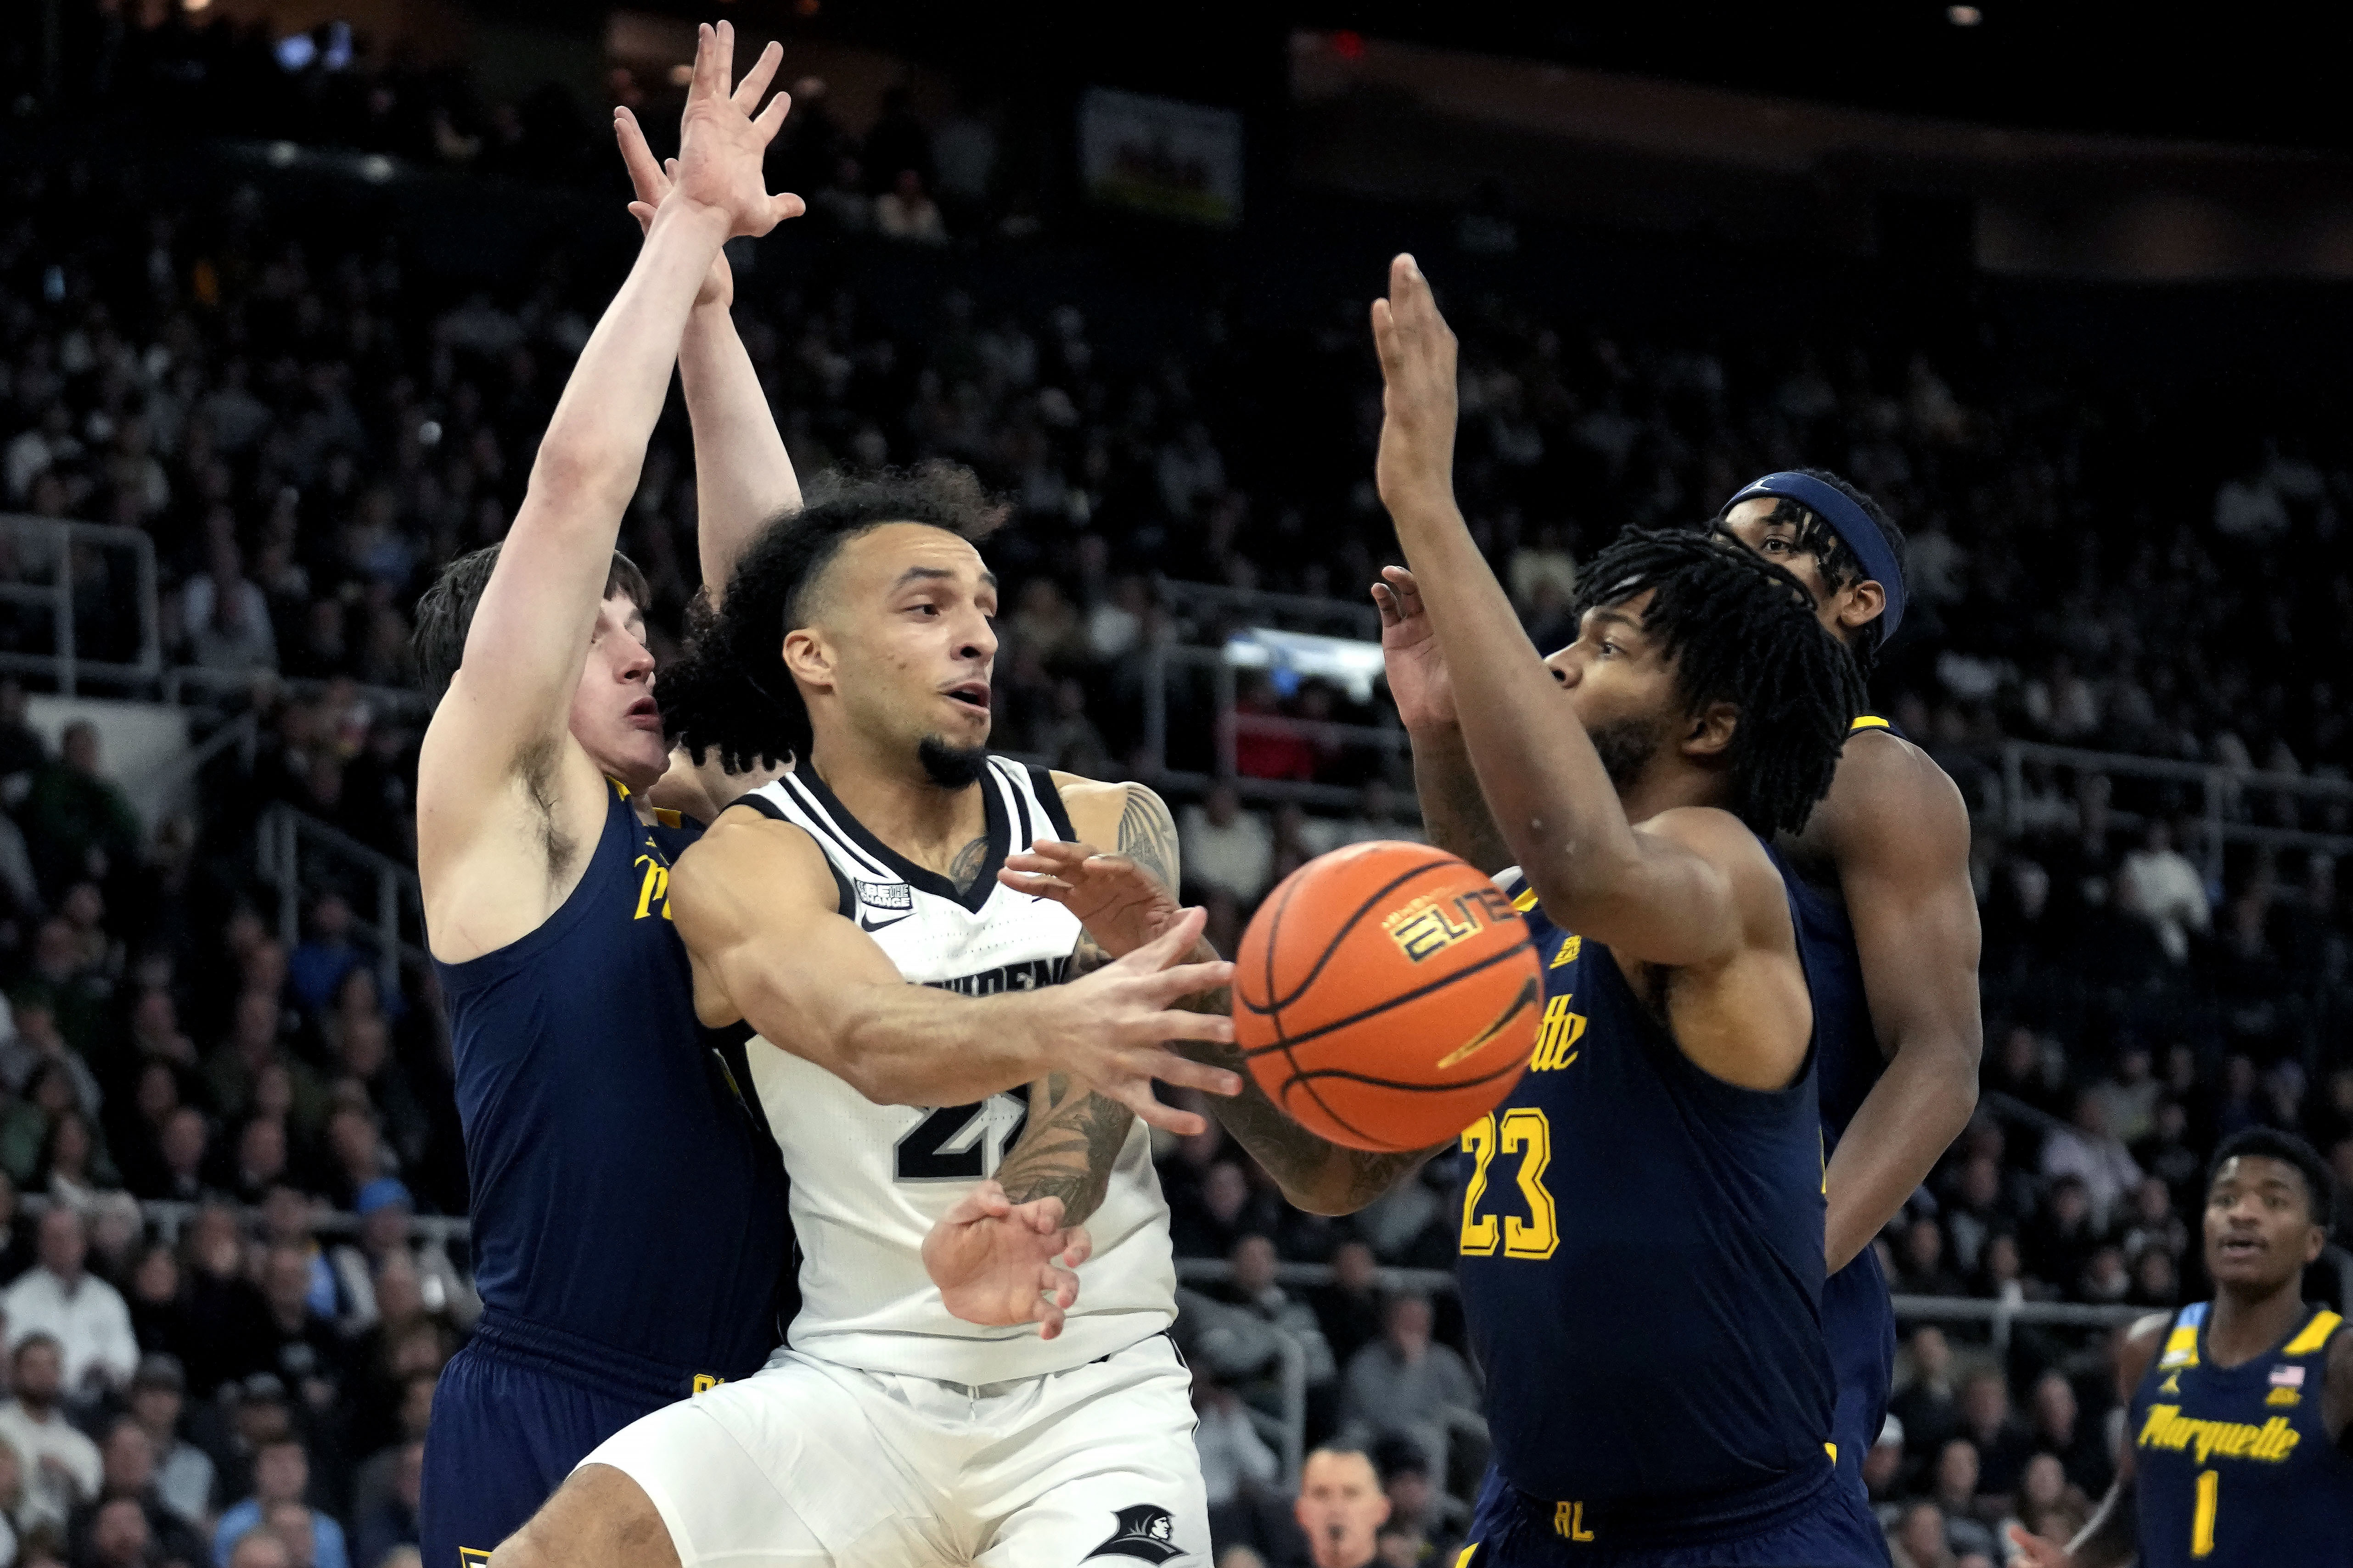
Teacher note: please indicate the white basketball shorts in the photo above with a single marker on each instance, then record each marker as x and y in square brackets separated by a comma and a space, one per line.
[807, 1464]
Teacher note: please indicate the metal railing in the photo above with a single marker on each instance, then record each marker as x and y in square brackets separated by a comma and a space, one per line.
[299, 855]
[2221, 792]
[47, 550]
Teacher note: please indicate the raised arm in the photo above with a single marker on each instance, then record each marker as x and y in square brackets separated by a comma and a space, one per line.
[1452, 809]
[505, 717]
[743, 474]
[1896, 829]
[756, 906]
[1123, 900]
[1654, 898]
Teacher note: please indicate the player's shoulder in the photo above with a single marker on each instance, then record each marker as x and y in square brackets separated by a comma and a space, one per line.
[1714, 834]
[750, 843]
[1108, 811]
[1886, 791]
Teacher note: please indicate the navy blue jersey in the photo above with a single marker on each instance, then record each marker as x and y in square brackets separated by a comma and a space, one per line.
[1641, 1270]
[1848, 1057]
[624, 1197]
[2235, 1468]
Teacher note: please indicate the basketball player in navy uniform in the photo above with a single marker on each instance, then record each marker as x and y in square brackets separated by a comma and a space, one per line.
[1888, 922]
[1886, 917]
[912, 1013]
[2238, 1438]
[629, 1229]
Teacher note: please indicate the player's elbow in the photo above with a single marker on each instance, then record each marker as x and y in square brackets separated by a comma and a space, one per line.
[583, 477]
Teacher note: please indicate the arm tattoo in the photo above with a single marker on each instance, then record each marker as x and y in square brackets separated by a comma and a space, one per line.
[1339, 1178]
[966, 866]
[1068, 1149]
[1147, 835]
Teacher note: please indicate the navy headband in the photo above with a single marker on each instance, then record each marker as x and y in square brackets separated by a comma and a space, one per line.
[1850, 522]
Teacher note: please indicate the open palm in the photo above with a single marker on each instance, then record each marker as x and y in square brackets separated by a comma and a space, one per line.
[721, 142]
[997, 1262]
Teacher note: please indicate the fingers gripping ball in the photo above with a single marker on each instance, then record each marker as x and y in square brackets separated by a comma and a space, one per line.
[1387, 995]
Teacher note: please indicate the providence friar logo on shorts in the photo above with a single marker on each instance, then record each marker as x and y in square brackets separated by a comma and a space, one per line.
[1146, 1531]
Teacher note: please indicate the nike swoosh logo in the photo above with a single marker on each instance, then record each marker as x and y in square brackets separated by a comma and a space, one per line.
[865, 924]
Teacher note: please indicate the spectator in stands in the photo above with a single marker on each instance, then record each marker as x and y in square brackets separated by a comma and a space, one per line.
[2080, 1448]
[12, 1500]
[282, 1475]
[181, 1147]
[61, 1466]
[128, 1474]
[364, 1047]
[907, 212]
[1227, 1208]
[1349, 1308]
[305, 1351]
[1239, 1471]
[2129, 1095]
[184, 1472]
[1920, 1539]
[2003, 1446]
[22, 753]
[1921, 1271]
[2086, 1149]
[1224, 846]
[77, 821]
[225, 616]
[1955, 1489]
[2049, 1504]
[2060, 1240]
[391, 1521]
[1413, 1505]
[16, 1237]
[2158, 885]
[1341, 1507]
[119, 1536]
[1882, 1471]
[1926, 1402]
[83, 1315]
[229, 1320]
[316, 968]
[1403, 1384]
[253, 1047]
[260, 1548]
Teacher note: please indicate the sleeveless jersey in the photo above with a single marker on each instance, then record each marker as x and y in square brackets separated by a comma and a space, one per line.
[870, 1180]
[627, 1205]
[1641, 1270]
[2235, 1468]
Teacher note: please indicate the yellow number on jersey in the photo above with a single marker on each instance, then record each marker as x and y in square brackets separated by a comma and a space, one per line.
[2201, 1523]
[1525, 1131]
[1478, 1231]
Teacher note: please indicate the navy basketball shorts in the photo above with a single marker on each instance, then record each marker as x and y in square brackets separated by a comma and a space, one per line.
[506, 1430]
[1859, 1327]
[1830, 1526]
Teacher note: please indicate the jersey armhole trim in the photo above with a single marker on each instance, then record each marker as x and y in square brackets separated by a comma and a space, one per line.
[846, 896]
[1049, 795]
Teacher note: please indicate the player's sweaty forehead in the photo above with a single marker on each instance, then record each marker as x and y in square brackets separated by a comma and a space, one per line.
[2257, 1173]
[874, 567]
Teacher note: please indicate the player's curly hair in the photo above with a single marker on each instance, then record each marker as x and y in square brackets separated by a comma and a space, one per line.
[728, 691]
[1740, 630]
[1840, 565]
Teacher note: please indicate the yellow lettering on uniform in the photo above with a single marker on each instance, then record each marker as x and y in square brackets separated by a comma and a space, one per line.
[1569, 948]
[1577, 1531]
[1525, 1128]
[1557, 1035]
[1564, 1514]
[656, 886]
[705, 1381]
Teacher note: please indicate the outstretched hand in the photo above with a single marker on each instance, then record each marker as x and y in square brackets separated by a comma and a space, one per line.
[997, 1262]
[650, 178]
[1121, 905]
[1114, 1029]
[721, 142]
[1416, 664]
[1416, 465]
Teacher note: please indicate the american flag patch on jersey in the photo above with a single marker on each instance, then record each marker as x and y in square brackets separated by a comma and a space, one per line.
[2287, 1377]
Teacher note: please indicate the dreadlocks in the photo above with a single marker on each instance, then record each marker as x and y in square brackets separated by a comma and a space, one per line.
[1841, 566]
[1739, 629]
[730, 691]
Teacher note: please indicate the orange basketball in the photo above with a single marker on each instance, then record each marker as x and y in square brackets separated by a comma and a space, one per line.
[1387, 996]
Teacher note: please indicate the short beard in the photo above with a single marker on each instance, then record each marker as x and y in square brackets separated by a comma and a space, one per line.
[951, 767]
[1625, 747]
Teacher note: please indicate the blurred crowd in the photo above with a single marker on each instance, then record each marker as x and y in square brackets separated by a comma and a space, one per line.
[305, 420]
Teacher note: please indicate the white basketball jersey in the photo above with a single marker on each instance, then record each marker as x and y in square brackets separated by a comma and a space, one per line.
[869, 1181]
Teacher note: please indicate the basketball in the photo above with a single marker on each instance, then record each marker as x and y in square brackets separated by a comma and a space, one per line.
[1387, 995]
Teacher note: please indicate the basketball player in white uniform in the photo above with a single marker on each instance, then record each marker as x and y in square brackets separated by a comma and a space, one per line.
[895, 1428]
